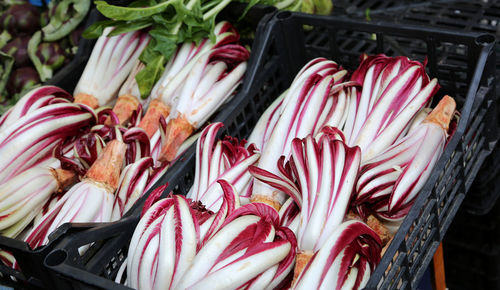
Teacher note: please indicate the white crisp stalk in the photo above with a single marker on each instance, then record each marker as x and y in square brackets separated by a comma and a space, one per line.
[308, 96]
[430, 149]
[419, 118]
[395, 128]
[21, 228]
[211, 92]
[175, 246]
[209, 254]
[341, 264]
[90, 200]
[161, 253]
[130, 86]
[389, 182]
[133, 181]
[175, 73]
[394, 90]
[30, 140]
[327, 171]
[110, 63]
[217, 160]
[400, 172]
[369, 129]
[373, 87]
[31, 101]
[168, 229]
[209, 85]
[379, 173]
[265, 126]
[180, 65]
[290, 215]
[25, 194]
[233, 259]
[86, 201]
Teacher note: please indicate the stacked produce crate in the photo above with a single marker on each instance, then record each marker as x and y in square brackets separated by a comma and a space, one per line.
[94, 255]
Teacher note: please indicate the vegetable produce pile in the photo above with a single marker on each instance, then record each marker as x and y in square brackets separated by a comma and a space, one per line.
[86, 163]
[35, 43]
[307, 203]
[311, 200]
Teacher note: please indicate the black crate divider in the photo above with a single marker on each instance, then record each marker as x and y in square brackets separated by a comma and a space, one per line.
[286, 44]
[33, 273]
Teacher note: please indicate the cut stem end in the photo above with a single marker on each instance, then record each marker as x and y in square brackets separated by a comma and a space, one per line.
[379, 228]
[177, 131]
[86, 99]
[267, 200]
[64, 178]
[124, 107]
[151, 121]
[302, 259]
[442, 113]
[106, 169]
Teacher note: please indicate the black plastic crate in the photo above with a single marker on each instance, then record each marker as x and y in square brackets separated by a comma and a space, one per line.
[365, 7]
[285, 45]
[461, 15]
[33, 274]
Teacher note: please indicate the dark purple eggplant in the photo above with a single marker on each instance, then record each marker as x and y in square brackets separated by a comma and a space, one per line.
[18, 48]
[20, 19]
[76, 35]
[21, 78]
[50, 54]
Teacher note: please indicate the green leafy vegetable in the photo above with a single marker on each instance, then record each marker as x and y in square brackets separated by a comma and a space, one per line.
[150, 74]
[96, 29]
[171, 23]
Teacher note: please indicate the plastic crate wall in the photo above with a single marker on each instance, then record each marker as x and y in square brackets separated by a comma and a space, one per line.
[475, 16]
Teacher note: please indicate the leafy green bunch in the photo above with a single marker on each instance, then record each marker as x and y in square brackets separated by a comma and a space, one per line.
[169, 22]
